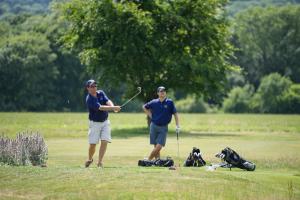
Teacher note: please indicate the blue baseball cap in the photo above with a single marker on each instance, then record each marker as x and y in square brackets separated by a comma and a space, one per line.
[90, 82]
[161, 88]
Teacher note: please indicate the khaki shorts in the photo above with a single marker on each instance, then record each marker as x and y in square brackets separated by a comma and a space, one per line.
[99, 131]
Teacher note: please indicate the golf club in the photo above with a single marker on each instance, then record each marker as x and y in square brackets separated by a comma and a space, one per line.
[139, 91]
[213, 167]
[174, 167]
[177, 133]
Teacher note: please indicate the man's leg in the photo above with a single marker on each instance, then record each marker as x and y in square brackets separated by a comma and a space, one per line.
[155, 152]
[105, 135]
[102, 151]
[94, 135]
[160, 139]
[158, 154]
[92, 150]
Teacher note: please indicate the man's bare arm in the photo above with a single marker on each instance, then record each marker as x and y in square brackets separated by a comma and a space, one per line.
[110, 108]
[147, 111]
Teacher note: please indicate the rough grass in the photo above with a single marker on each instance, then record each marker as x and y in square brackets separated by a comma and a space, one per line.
[271, 141]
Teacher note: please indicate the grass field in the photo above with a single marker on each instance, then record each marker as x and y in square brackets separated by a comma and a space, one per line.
[271, 141]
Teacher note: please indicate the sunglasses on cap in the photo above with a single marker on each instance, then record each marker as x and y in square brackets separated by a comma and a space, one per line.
[93, 86]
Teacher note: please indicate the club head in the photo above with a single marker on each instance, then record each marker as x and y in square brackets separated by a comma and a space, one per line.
[210, 168]
[139, 89]
[220, 155]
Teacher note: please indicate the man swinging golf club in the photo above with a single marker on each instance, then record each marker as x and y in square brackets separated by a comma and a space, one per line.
[99, 125]
[160, 112]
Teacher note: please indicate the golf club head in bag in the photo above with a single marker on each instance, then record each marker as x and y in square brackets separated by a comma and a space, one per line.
[195, 159]
[235, 160]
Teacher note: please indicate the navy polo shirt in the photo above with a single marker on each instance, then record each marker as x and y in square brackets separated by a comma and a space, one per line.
[94, 103]
[161, 111]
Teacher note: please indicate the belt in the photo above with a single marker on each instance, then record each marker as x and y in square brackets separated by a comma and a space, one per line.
[98, 121]
[159, 124]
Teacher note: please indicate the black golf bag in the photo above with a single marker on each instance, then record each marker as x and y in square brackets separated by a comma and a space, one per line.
[168, 162]
[195, 159]
[233, 159]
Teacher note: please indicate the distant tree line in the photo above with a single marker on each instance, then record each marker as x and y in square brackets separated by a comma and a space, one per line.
[12, 7]
[268, 43]
[36, 73]
[236, 6]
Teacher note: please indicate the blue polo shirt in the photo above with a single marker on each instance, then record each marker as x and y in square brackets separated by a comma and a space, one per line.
[94, 103]
[161, 111]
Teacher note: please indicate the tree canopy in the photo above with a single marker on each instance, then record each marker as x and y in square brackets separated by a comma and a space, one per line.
[180, 44]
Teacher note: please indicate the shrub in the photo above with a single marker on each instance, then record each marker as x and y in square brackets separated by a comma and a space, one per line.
[238, 100]
[191, 104]
[24, 150]
[269, 97]
[291, 99]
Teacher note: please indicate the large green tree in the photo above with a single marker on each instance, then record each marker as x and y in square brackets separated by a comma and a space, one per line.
[181, 44]
[269, 41]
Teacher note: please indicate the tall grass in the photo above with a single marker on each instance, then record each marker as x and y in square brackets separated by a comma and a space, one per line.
[24, 150]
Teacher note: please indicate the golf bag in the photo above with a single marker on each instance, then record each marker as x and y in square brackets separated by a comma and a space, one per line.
[168, 162]
[195, 159]
[233, 159]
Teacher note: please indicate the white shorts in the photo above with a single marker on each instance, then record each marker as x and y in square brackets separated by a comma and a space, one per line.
[99, 131]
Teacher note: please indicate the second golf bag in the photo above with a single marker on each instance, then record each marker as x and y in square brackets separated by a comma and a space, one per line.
[168, 162]
[233, 159]
[195, 159]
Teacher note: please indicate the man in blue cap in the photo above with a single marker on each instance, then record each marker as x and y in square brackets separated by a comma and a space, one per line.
[160, 111]
[99, 125]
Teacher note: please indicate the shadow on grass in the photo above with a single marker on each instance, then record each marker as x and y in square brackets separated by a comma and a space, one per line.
[212, 134]
[135, 167]
[135, 132]
[129, 132]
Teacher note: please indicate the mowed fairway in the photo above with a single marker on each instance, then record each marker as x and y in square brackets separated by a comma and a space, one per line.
[271, 141]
